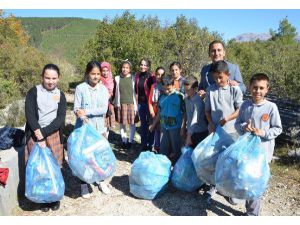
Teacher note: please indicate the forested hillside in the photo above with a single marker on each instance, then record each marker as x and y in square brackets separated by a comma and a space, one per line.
[61, 37]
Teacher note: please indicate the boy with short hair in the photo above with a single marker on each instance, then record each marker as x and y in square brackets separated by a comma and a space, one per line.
[223, 101]
[170, 112]
[222, 105]
[196, 124]
[261, 117]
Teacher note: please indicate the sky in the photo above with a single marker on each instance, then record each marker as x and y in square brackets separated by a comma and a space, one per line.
[228, 22]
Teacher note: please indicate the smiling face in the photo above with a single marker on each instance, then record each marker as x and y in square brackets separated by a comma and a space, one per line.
[144, 67]
[94, 76]
[175, 71]
[259, 89]
[125, 69]
[221, 79]
[50, 79]
[216, 52]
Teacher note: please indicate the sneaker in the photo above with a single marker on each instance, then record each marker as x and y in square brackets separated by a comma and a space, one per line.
[104, 188]
[85, 191]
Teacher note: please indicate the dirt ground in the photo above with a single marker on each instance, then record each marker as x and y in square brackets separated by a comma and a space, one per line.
[281, 199]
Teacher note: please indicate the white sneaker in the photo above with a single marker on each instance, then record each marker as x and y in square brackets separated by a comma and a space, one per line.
[85, 191]
[104, 188]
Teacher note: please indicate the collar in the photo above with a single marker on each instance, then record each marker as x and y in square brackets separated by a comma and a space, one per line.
[55, 90]
[93, 88]
[259, 104]
[224, 88]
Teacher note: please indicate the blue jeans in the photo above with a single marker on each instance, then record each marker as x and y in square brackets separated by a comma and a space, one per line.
[147, 137]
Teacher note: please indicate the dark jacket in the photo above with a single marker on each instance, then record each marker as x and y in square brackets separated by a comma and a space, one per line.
[32, 116]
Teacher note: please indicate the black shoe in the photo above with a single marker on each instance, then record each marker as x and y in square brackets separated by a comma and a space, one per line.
[128, 145]
[207, 197]
[229, 199]
[44, 207]
[55, 206]
[123, 145]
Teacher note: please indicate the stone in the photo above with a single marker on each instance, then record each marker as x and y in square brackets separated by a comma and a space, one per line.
[14, 160]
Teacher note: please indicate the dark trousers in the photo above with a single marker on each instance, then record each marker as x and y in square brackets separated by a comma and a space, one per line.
[198, 137]
[147, 137]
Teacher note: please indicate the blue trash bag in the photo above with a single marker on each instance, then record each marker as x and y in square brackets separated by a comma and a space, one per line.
[184, 176]
[149, 175]
[44, 181]
[90, 156]
[242, 170]
[206, 154]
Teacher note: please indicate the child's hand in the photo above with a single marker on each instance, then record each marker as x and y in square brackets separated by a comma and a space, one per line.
[223, 121]
[248, 127]
[151, 128]
[152, 115]
[211, 128]
[80, 113]
[38, 134]
[233, 83]
[42, 144]
[258, 132]
[201, 93]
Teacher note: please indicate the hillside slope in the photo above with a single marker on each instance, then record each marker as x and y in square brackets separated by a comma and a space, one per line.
[61, 37]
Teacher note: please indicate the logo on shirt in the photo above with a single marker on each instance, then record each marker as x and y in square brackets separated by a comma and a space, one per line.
[56, 98]
[265, 117]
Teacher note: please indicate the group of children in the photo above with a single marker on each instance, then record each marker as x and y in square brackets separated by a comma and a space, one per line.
[169, 107]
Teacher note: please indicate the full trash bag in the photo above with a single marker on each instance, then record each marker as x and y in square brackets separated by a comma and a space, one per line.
[242, 170]
[44, 180]
[184, 176]
[90, 156]
[206, 154]
[149, 175]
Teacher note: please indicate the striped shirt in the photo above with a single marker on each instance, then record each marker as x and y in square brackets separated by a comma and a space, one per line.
[95, 101]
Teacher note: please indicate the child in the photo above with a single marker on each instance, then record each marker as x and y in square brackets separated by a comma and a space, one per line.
[222, 105]
[91, 101]
[45, 112]
[196, 124]
[143, 82]
[170, 112]
[108, 81]
[155, 92]
[175, 70]
[261, 117]
[125, 103]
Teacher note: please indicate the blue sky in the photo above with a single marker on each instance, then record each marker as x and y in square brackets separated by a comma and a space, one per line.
[229, 22]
